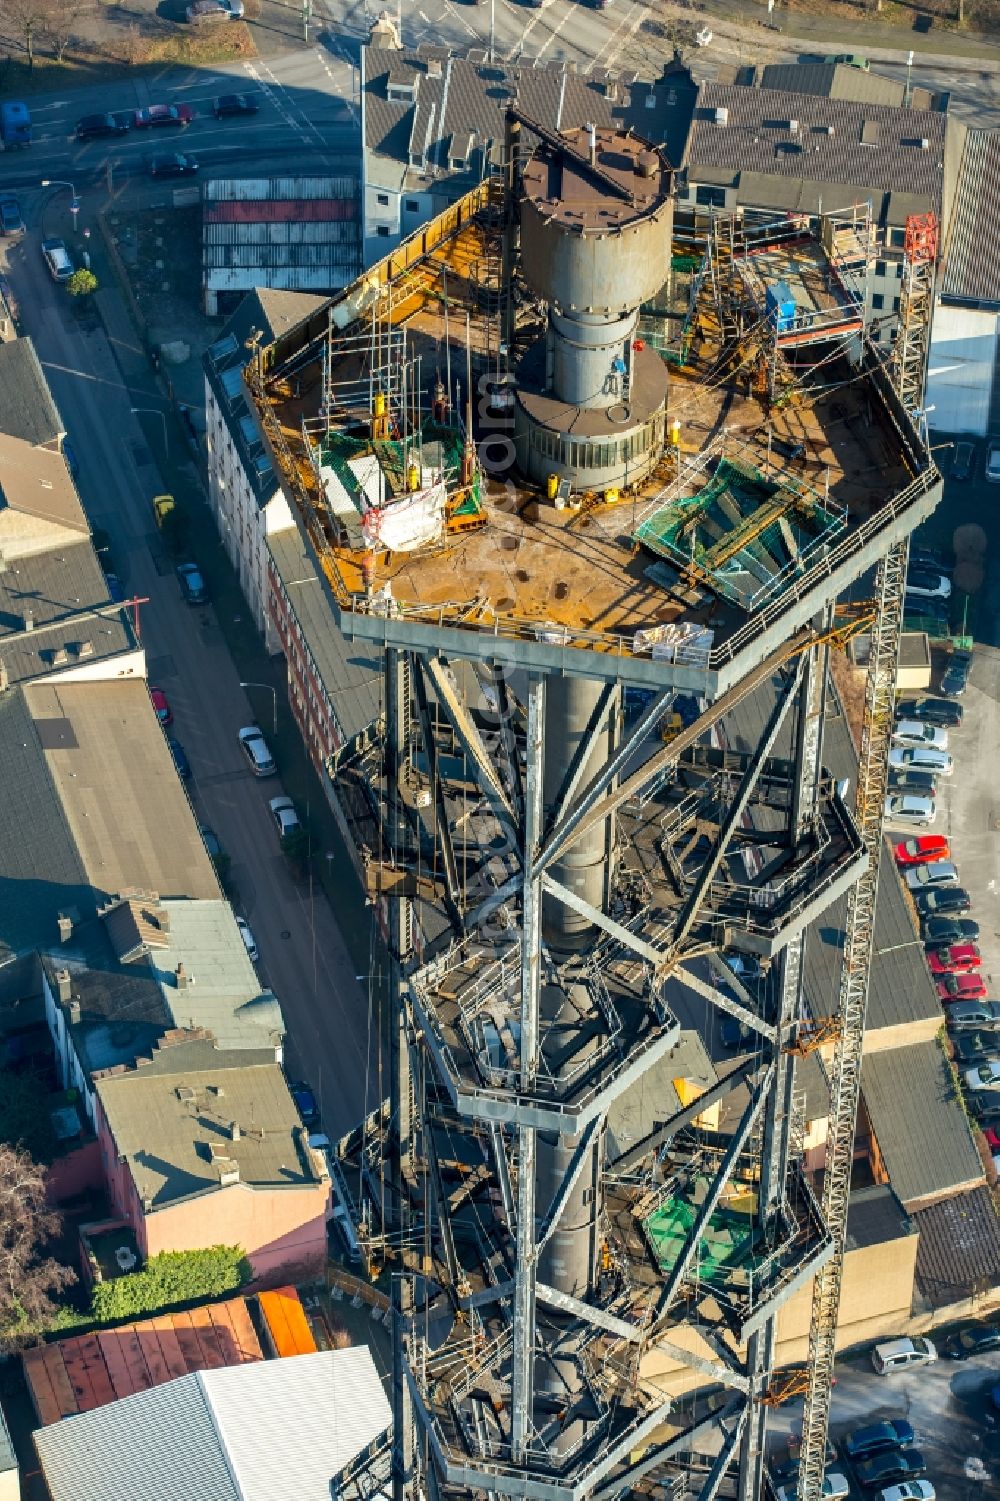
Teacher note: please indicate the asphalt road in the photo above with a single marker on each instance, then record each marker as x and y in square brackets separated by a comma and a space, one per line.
[303, 956]
[306, 119]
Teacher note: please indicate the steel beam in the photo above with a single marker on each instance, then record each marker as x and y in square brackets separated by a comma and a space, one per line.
[472, 743]
[583, 1150]
[659, 958]
[596, 727]
[509, 743]
[441, 824]
[663, 1132]
[679, 1444]
[724, 1002]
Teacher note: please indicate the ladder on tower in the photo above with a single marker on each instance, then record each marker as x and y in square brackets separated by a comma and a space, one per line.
[916, 306]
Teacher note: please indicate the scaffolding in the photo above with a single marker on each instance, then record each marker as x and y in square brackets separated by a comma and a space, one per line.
[916, 308]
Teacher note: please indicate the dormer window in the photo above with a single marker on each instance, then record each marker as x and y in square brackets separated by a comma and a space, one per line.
[402, 87]
[459, 152]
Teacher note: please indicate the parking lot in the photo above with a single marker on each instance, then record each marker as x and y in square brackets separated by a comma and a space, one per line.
[947, 1404]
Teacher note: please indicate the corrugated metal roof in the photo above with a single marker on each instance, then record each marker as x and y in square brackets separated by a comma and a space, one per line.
[264, 189]
[350, 671]
[928, 1150]
[972, 255]
[757, 138]
[834, 81]
[278, 210]
[244, 1433]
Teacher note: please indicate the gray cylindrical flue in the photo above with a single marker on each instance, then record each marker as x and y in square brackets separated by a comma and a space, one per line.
[584, 868]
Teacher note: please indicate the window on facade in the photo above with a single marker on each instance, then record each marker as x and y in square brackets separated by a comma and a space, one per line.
[382, 230]
[383, 198]
[878, 301]
[897, 237]
[711, 197]
[880, 268]
[895, 304]
[412, 206]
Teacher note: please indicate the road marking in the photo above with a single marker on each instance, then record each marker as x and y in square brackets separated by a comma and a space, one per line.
[638, 16]
[545, 45]
[456, 15]
[424, 17]
[518, 47]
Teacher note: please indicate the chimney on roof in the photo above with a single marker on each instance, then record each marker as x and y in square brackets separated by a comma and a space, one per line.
[64, 985]
[433, 67]
[181, 977]
[591, 129]
[65, 927]
[234, 1130]
[147, 1204]
[73, 1011]
[29, 621]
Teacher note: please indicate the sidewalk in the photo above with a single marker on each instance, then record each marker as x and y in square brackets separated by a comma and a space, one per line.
[874, 39]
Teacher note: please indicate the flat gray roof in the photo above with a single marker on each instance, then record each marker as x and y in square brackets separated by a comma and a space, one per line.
[922, 1131]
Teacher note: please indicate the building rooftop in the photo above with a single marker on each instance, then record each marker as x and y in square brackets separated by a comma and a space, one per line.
[27, 410]
[448, 110]
[959, 1249]
[351, 671]
[875, 1216]
[36, 483]
[972, 251]
[922, 1131]
[862, 151]
[292, 232]
[841, 81]
[242, 1433]
[92, 807]
[173, 1120]
[89, 1371]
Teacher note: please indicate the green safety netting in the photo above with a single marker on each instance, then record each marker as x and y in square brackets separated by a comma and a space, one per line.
[337, 449]
[727, 1243]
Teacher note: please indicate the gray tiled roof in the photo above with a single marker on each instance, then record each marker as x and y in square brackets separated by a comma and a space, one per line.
[350, 671]
[168, 1135]
[928, 1151]
[757, 139]
[959, 1249]
[469, 98]
[92, 806]
[840, 81]
[122, 1013]
[27, 409]
[874, 1216]
[972, 255]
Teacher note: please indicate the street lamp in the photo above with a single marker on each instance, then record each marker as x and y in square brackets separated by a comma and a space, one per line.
[266, 687]
[59, 182]
[154, 412]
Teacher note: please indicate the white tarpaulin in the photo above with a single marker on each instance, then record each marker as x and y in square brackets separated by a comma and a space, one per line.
[964, 347]
[408, 523]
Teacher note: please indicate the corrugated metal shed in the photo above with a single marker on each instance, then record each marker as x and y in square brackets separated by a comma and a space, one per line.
[928, 1151]
[246, 1433]
[286, 232]
[972, 255]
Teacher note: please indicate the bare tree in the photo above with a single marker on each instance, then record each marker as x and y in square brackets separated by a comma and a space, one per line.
[27, 19]
[59, 23]
[29, 1280]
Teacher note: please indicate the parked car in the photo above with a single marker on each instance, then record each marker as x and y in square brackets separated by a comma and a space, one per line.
[285, 817]
[898, 1354]
[955, 678]
[946, 901]
[934, 710]
[910, 1490]
[921, 758]
[929, 557]
[975, 1047]
[787, 1467]
[917, 732]
[967, 987]
[214, 10]
[993, 462]
[115, 591]
[983, 1076]
[210, 839]
[192, 584]
[849, 59]
[876, 1438]
[92, 127]
[181, 761]
[922, 848]
[898, 1464]
[956, 960]
[939, 932]
[963, 460]
[254, 747]
[163, 711]
[978, 1339]
[934, 873]
[305, 1103]
[249, 942]
[58, 260]
[11, 222]
[903, 808]
[965, 1015]
[155, 115]
[927, 583]
[174, 164]
[234, 104]
[984, 1106]
[921, 783]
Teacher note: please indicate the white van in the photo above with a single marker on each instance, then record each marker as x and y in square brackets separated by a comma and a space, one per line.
[897, 1354]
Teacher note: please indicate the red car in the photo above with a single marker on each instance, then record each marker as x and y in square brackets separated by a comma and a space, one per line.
[919, 850]
[162, 709]
[961, 988]
[163, 114]
[957, 960]
[992, 1138]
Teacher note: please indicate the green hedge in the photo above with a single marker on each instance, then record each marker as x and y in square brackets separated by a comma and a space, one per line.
[168, 1279]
